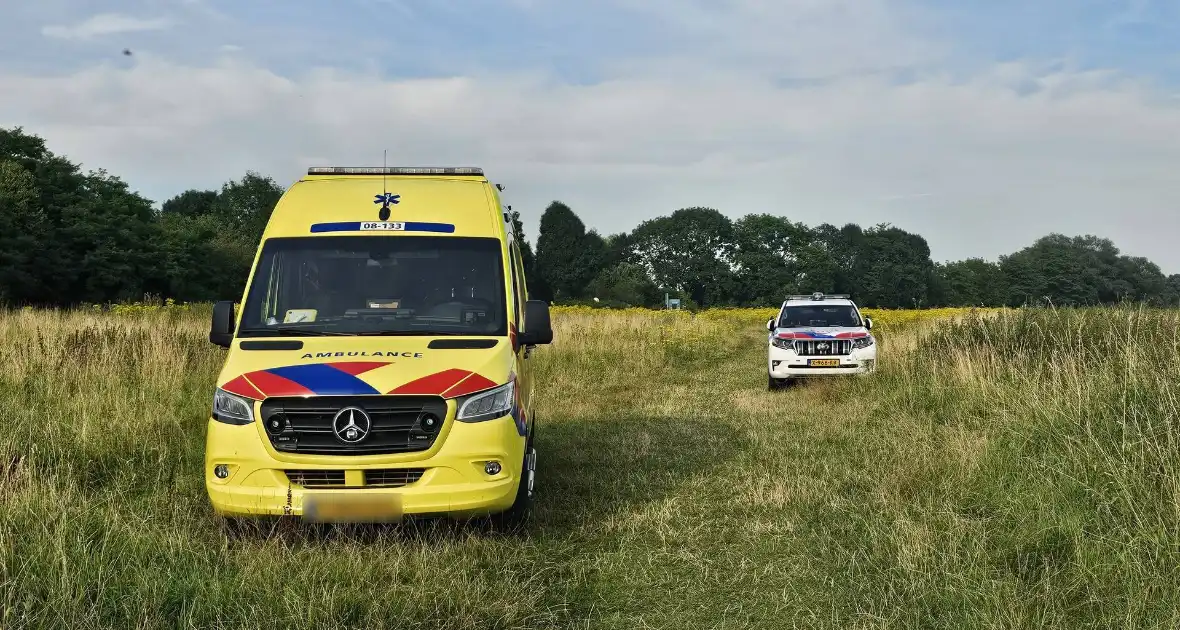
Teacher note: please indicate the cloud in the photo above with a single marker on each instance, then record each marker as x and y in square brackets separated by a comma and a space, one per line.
[105, 24]
[743, 107]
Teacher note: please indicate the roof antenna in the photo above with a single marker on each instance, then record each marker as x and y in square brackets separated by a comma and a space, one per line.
[384, 213]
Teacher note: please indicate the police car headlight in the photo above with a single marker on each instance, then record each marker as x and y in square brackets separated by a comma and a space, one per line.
[863, 342]
[232, 409]
[785, 344]
[487, 405]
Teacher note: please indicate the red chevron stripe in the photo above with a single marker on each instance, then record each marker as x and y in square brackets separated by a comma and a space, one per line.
[436, 383]
[243, 387]
[274, 385]
[473, 383]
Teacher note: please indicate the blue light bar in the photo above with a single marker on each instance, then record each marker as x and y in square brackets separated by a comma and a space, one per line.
[395, 170]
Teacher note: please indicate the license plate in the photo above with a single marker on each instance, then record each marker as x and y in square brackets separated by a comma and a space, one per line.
[824, 362]
[347, 507]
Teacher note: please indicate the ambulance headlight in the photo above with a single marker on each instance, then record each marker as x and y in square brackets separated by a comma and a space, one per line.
[232, 409]
[487, 405]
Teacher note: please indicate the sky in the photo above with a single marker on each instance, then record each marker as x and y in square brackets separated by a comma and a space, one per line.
[981, 125]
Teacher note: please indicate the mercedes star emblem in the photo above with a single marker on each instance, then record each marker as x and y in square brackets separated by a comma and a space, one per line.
[351, 425]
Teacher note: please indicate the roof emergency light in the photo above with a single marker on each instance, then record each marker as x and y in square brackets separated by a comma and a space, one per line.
[819, 297]
[395, 170]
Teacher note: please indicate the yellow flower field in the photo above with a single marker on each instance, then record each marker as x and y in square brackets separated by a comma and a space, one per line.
[883, 319]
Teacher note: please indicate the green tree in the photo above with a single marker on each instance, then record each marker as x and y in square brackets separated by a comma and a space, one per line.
[22, 234]
[1171, 295]
[617, 246]
[201, 260]
[892, 268]
[688, 252]
[245, 204]
[1079, 271]
[88, 237]
[833, 264]
[568, 257]
[58, 184]
[971, 282]
[113, 237]
[769, 254]
[192, 203]
[625, 284]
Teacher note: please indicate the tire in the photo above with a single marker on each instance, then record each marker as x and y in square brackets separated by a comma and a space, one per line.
[516, 517]
[773, 383]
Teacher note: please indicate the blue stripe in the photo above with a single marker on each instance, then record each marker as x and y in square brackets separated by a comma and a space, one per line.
[410, 226]
[336, 227]
[445, 228]
[324, 380]
[816, 335]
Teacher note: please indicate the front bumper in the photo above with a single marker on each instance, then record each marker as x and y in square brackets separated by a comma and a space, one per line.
[452, 483]
[786, 364]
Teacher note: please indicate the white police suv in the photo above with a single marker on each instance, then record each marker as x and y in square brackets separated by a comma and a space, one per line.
[818, 335]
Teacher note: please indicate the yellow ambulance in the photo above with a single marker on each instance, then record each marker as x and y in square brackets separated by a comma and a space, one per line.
[380, 364]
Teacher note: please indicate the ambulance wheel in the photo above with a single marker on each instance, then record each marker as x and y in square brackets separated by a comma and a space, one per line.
[517, 515]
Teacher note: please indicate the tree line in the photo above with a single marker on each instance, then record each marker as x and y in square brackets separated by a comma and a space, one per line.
[69, 237]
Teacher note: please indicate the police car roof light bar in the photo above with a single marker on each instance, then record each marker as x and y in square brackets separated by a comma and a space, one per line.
[820, 296]
[395, 170]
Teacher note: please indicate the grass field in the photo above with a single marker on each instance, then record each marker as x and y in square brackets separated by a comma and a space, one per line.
[1019, 470]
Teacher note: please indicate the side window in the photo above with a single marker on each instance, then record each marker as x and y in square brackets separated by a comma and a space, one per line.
[521, 280]
[515, 284]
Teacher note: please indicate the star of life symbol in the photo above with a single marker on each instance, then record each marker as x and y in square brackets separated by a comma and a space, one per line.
[387, 198]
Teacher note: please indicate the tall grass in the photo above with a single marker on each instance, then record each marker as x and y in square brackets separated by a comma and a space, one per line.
[1001, 470]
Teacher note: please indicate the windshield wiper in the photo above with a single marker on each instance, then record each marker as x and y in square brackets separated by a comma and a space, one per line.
[409, 333]
[293, 331]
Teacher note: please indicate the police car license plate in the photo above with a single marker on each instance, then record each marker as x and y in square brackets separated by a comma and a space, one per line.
[348, 507]
[824, 363]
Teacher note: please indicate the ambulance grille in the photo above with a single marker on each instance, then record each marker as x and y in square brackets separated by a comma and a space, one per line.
[316, 478]
[374, 477]
[392, 477]
[304, 425]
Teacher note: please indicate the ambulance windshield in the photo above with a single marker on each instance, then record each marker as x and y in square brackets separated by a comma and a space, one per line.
[377, 285]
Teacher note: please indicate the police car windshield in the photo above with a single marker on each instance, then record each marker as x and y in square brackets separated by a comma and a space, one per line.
[372, 285]
[818, 316]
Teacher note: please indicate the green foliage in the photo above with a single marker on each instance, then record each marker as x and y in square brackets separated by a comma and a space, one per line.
[1079, 271]
[971, 282]
[244, 206]
[69, 237]
[625, 284]
[191, 203]
[892, 268]
[22, 232]
[688, 252]
[568, 257]
[770, 255]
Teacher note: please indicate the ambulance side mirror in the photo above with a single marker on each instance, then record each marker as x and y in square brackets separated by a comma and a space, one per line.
[538, 329]
[221, 330]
